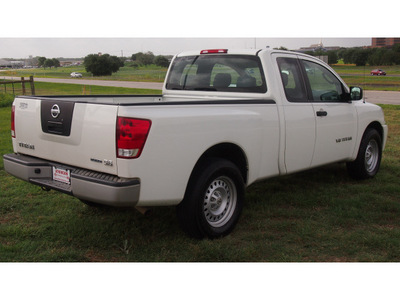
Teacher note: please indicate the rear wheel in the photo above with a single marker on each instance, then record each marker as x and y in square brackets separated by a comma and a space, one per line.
[213, 200]
[369, 156]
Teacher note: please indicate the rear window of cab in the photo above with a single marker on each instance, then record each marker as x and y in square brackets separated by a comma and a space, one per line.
[227, 73]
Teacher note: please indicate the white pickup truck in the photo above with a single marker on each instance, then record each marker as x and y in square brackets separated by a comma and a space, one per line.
[225, 119]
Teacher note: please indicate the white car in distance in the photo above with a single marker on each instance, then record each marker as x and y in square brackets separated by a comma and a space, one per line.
[76, 75]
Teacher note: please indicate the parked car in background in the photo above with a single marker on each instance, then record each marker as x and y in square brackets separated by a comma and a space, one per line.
[378, 72]
[76, 75]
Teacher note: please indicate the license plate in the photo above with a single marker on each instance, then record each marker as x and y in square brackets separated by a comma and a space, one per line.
[62, 175]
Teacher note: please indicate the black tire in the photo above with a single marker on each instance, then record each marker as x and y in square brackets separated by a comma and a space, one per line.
[369, 156]
[213, 200]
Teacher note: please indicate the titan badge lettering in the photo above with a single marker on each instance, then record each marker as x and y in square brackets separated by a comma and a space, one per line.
[345, 139]
[107, 162]
[27, 146]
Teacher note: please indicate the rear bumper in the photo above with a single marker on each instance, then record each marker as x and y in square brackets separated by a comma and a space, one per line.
[84, 184]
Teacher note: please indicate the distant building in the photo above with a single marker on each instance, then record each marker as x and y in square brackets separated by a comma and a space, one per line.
[384, 42]
[11, 64]
[5, 64]
[17, 63]
[317, 47]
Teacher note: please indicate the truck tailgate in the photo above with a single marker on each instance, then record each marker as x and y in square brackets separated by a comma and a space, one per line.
[68, 132]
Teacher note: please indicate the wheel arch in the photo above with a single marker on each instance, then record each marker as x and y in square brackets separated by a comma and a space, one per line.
[378, 127]
[228, 151]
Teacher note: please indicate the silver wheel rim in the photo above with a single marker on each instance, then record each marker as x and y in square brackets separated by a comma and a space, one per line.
[371, 156]
[220, 201]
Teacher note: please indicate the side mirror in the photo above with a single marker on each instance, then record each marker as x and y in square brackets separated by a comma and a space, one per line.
[356, 93]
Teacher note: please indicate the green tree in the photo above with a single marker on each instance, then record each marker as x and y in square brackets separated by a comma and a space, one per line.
[48, 63]
[375, 57]
[360, 57]
[102, 65]
[347, 55]
[144, 58]
[161, 61]
[332, 57]
[388, 58]
[396, 51]
[56, 63]
[41, 61]
[282, 48]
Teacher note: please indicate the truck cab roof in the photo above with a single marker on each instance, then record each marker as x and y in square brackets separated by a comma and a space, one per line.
[220, 51]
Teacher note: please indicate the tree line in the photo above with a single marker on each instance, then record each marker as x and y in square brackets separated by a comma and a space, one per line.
[44, 62]
[105, 64]
[363, 56]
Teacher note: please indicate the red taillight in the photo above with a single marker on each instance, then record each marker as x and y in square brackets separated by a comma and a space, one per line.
[131, 136]
[13, 121]
[211, 51]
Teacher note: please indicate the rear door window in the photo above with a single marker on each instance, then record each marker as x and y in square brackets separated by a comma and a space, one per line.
[292, 81]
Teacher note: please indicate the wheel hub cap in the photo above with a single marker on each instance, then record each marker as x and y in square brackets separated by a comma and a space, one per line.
[219, 201]
[371, 155]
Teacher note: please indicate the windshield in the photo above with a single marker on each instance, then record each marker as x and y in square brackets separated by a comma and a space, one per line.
[227, 73]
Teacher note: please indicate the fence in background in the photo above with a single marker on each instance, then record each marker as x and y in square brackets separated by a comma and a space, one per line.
[9, 86]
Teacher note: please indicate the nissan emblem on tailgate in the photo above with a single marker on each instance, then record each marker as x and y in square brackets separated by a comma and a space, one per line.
[55, 111]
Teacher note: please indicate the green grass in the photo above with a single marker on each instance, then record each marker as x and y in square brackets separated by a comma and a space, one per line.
[318, 215]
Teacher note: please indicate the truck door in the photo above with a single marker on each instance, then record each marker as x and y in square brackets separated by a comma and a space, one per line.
[335, 116]
[299, 122]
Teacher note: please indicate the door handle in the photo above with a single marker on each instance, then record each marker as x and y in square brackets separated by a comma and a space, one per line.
[322, 113]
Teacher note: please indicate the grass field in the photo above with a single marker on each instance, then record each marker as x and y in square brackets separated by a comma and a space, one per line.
[319, 215]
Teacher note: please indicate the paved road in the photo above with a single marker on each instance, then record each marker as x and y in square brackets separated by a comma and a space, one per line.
[367, 75]
[382, 97]
[377, 97]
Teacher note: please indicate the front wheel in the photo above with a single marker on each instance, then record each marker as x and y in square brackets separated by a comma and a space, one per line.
[369, 156]
[213, 200]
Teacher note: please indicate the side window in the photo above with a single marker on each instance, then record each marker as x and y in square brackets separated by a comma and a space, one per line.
[291, 79]
[324, 85]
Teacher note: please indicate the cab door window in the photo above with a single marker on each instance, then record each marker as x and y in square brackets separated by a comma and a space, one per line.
[291, 79]
[324, 86]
